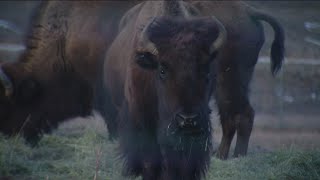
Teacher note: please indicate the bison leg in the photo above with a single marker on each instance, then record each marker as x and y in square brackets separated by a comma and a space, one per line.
[244, 123]
[241, 123]
[109, 113]
[151, 165]
[138, 146]
[236, 113]
[228, 130]
[224, 96]
[103, 104]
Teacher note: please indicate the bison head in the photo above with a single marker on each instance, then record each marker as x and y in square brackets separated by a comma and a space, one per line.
[181, 55]
[31, 106]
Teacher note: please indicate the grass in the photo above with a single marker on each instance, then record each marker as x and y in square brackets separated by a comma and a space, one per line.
[86, 153]
[283, 164]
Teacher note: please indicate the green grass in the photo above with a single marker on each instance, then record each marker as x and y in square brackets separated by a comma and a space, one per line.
[60, 157]
[283, 164]
[87, 154]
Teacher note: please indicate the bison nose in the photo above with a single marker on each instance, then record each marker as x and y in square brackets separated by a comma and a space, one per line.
[188, 121]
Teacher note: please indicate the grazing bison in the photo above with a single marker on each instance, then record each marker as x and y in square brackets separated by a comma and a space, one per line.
[57, 77]
[161, 70]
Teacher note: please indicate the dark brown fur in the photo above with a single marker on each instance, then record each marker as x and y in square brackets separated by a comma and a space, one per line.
[143, 105]
[58, 76]
[146, 104]
[236, 65]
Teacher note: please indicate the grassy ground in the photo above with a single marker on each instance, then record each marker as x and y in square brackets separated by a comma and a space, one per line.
[80, 150]
[83, 155]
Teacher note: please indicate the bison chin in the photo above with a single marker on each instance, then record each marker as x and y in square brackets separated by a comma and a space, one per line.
[186, 152]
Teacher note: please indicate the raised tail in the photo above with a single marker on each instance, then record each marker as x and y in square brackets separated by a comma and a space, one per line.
[277, 48]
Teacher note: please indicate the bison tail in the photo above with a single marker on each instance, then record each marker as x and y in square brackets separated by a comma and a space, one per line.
[277, 48]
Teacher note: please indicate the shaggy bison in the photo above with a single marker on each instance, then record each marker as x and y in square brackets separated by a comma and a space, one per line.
[160, 72]
[58, 75]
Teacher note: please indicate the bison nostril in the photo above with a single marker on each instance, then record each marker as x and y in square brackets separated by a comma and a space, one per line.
[187, 121]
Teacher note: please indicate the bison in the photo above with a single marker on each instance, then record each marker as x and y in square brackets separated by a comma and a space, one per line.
[58, 76]
[168, 60]
[235, 67]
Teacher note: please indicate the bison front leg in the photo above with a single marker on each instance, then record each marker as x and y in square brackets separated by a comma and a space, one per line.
[235, 118]
[103, 103]
[228, 130]
[151, 165]
[236, 113]
[138, 145]
[244, 123]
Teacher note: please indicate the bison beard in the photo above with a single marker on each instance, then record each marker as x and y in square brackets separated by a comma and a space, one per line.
[188, 164]
[177, 156]
[188, 158]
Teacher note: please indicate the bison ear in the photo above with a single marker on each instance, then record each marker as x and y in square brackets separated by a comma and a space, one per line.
[27, 90]
[6, 86]
[146, 60]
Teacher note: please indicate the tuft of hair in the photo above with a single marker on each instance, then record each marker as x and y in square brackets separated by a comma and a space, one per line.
[277, 47]
[277, 54]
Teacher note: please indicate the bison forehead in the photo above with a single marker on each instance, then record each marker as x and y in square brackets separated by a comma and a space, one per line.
[184, 38]
[192, 34]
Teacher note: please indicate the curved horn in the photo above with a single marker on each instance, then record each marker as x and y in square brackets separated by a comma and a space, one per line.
[6, 83]
[145, 43]
[184, 10]
[222, 37]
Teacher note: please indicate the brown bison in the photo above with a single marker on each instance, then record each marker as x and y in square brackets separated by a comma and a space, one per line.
[161, 70]
[58, 75]
[235, 66]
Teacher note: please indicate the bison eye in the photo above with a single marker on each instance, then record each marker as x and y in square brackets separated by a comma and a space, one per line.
[146, 60]
[162, 72]
[28, 90]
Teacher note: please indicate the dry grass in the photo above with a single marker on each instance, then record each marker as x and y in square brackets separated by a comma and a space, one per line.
[80, 150]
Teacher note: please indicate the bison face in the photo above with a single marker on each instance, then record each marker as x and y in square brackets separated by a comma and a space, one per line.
[14, 96]
[181, 54]
[31, 105]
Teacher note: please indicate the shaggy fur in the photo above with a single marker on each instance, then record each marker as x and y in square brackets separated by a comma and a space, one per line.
[59, 74]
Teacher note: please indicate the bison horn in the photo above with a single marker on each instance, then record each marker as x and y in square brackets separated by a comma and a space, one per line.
[221, 37]
[6, 83]
[145, 43]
